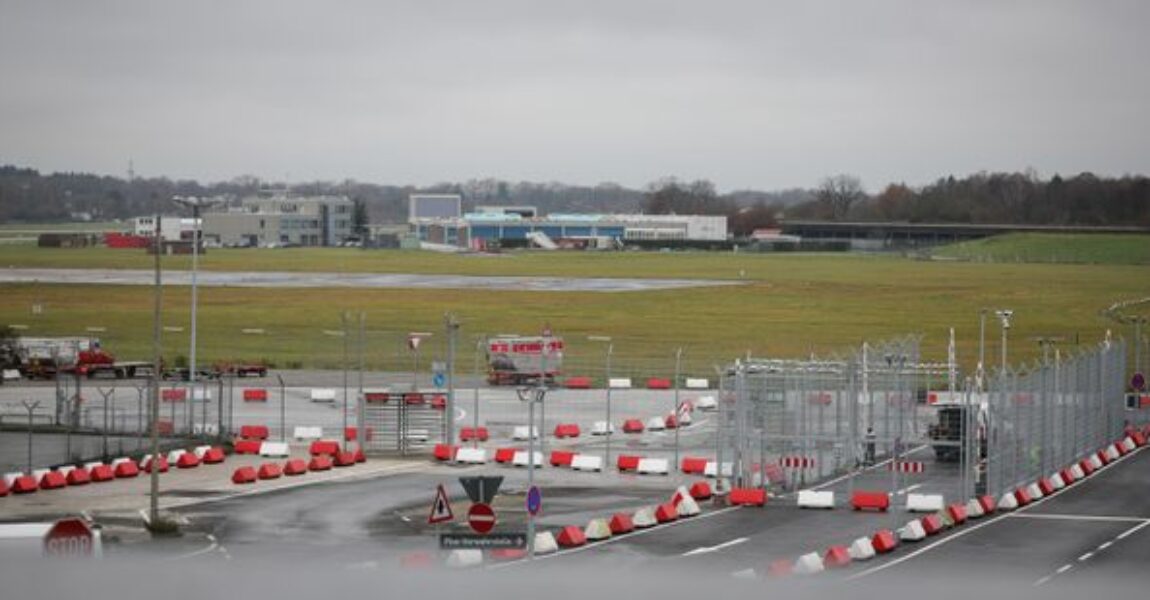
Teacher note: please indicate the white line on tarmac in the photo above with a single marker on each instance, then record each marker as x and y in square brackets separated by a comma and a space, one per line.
[1131, 531]
[716, 548]
[629, 536]
[870, 468]
[1063, 569]
[1085, 557]
[959, 534]
[1079, 517]
[909, 488]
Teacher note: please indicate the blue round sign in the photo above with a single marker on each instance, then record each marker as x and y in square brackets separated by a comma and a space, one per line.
[438, 379]
[534, 500]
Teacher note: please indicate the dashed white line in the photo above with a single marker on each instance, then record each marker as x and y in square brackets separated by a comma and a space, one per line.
[1085, 557]
[1104, 546]
[1063, 569]
[1131, 531]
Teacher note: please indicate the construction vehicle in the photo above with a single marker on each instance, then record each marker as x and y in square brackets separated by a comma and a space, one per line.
[45, 358]
[515, 360]
[950, 429]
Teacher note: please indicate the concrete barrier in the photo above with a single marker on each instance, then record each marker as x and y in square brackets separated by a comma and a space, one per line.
[665, 513]
[625, 462]
[321, 462]
[255, 395]
[1078, 471]
[602, 428]
[712, 469]
[187, 460]
[686, 505]
[932, 524]
[707, 403]
[780, 568]
[254, 432]
[294, 467]
[597, 529]
[275, 450]
[1046, 486]
[327, 447]
[644, 518]
[693, 465]
[587, 462]
[200, 451]
[78, 476]
[520, 458]
[577, 383]
[621, 523]
[126, 469]
[213, 456]
[1034, 491]
[460, 559]
[467, 434]
[322, 395]
[924, 502]
[101, 473]
[269, 471]
[1112, 452]
[747, 496]
[471, 456]
[912, 532]
[570, 537]
[1023, 496]
[1128, 444]
[809, 564]
[633, 426]
[306, 433]
[619, 383]
[561, 458]
[244, 475]
[658, 383]
[345, 459]
[1056, 481]
[146, 464]
[701, 490]
[816, 499]
[175, 455]
[12, 475]
[1095, 462]
[444, 451]
[545, 543]
[696, 383]
[653, 466]
[957, 513]
[656, 424]
[505, 455]
[870, 500]
[884, 541]
[53, 480]
[837, 557]
[523, 433]
[24, 484]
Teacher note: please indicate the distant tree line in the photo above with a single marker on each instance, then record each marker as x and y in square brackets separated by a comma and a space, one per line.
[26, 195]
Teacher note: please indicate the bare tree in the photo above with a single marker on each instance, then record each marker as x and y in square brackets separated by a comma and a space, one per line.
[838, 194]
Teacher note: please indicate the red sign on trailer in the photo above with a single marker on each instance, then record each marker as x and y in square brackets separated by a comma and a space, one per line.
[69, 538]
[481, 517]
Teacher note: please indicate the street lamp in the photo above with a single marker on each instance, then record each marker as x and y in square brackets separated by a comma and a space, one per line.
[196, 204]
[607, 385]
[1004, 315]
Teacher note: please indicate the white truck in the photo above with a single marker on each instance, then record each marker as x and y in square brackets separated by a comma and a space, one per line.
[520, 360]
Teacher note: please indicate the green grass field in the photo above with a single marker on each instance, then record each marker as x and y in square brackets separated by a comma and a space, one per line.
[791, 305]
[1110, 249]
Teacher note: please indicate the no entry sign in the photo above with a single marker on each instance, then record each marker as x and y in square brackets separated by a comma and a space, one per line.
[481, 518]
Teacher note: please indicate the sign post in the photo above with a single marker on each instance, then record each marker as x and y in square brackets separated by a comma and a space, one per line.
[70, 538]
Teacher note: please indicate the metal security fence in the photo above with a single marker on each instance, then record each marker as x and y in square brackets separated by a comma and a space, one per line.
[1049, 415]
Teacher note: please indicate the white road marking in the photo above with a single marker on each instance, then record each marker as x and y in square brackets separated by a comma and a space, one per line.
[907, 489]
[870, 468]
[716, 548]
[1085, 557]
[609, 540]
[1104, 546]
[1043, 580]
[1063, 569]
[1131, 531]
[1079, 517]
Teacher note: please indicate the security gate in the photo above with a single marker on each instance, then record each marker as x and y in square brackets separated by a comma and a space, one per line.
[404, 422]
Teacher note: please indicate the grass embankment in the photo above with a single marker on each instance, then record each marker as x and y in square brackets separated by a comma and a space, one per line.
[1087, 248]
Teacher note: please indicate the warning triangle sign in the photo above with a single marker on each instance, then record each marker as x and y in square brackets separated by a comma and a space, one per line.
[440, 508]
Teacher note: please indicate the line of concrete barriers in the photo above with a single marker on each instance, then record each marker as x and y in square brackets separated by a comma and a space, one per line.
[684, 503]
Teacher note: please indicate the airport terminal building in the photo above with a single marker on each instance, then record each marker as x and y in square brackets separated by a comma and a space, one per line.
[492, 226]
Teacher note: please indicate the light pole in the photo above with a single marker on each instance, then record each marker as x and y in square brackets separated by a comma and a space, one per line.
[31, 408]
[607, 386]
[480, 341]
[1004, 315]
[451, 325]
[157, 360]
[981, 349]
[675, 410]
[283, 410]
[196, 204]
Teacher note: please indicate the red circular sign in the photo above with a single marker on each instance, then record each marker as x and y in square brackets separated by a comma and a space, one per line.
[481, 518]
[69, 538]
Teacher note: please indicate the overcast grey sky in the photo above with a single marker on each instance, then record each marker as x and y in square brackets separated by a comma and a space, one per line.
[748, 94]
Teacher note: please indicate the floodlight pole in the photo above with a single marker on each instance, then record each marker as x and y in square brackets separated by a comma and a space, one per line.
[31, 408]
[675, 410]
[196, 204]
[157, 360]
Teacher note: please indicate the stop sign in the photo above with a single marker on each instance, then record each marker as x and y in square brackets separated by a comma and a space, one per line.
[481, 517]
[69, 538]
